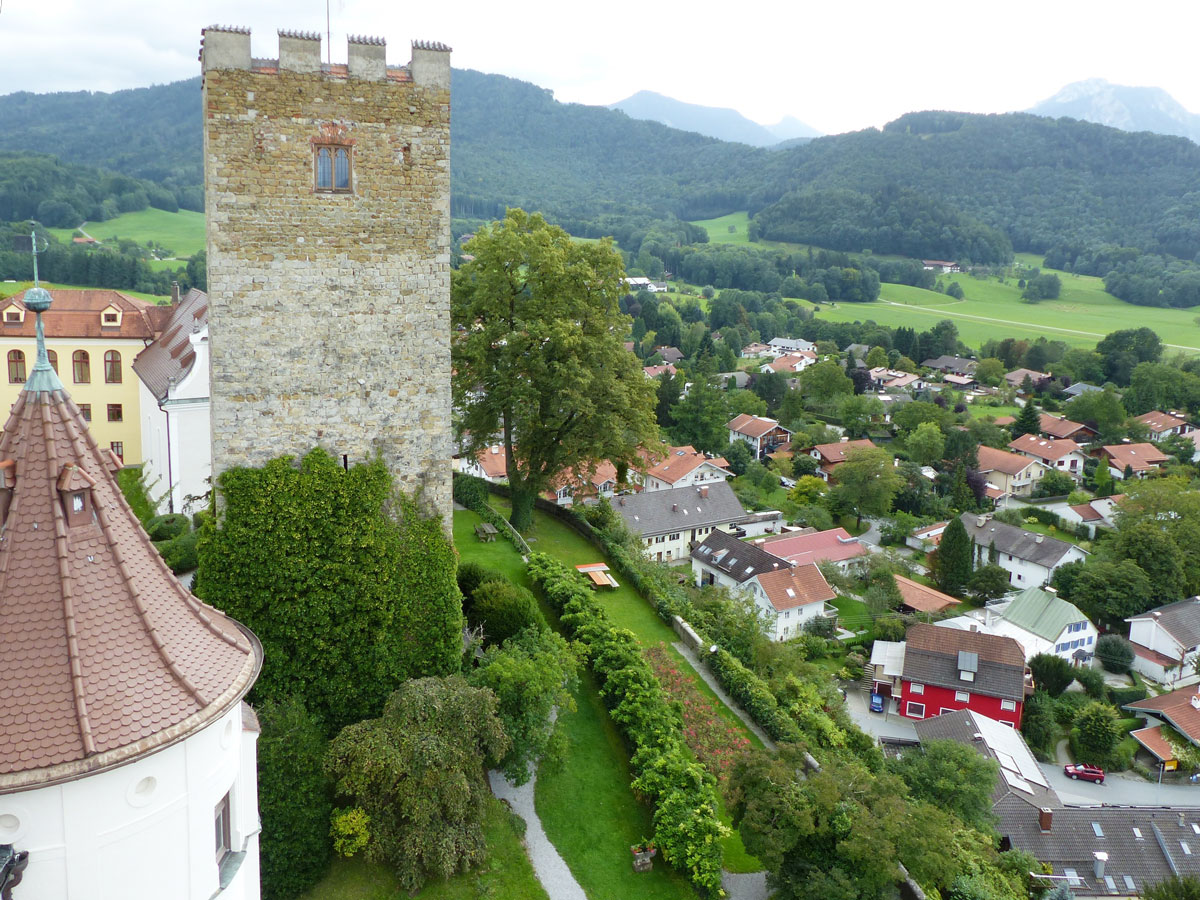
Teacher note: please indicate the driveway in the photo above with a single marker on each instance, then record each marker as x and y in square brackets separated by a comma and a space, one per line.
[888, 724]
[1120, 789]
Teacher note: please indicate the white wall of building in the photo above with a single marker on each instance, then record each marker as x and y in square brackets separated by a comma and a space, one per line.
[706, 473]
[1023, 573]
[143, 831]
[1148, 633]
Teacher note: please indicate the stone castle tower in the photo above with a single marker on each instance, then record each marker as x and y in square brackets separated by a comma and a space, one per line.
[328, 202]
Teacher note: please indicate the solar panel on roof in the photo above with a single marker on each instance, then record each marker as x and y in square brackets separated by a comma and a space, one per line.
[1016, 781]
[967, 661]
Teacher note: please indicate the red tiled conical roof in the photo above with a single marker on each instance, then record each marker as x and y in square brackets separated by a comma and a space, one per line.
[106, 655]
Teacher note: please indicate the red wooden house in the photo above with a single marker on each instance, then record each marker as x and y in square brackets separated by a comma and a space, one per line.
[947, 669]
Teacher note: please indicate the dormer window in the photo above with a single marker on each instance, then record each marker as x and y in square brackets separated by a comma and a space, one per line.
[75, 491]
[14, 315]
[111, 318]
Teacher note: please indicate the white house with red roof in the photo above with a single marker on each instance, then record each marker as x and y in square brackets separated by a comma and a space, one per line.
[684, 467]
[1009, 474]
[830, 456]
[834, 545]
[1064, 429]
[1058, 455]
[1096, 514]
[490, 464]
[655, 371]
[127, 754]
[883, 378]
[790, 597]
[790, 363]
[762, 434]
[1141, 459]
[1164, 424]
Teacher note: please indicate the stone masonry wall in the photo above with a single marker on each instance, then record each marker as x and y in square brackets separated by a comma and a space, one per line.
[330, 313]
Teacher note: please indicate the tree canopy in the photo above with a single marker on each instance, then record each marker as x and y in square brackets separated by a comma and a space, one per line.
[538, 356]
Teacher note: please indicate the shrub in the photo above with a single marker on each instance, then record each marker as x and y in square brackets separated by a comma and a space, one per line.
[180, 553]
[1115, 653]
[821, 626]
[350, 830]
[470, 492]
[293, 799]
[503, 609]
[890, 628]
[1051, 673]
[200, 516]
[470, 576]
[1096, 733]
[1120, 696]
[1067, 707]
[171, 525]
[133, 486]
[1092, 681]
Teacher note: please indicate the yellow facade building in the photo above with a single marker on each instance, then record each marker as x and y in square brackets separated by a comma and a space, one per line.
[92, 337]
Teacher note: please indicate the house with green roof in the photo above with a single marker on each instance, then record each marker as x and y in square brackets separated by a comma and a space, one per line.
[1039, 620]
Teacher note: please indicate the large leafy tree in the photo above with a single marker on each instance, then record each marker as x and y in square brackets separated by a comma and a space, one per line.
[418, 774]
[953, 776]
[538, 355]
[867, 481]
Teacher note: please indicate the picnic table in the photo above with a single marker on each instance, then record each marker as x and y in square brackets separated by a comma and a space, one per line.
[486, 532]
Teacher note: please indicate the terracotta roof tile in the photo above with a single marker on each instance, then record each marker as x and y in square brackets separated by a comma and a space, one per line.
[836, 453]
[1043, 448]
[796, 586]
[76, 314]
[170, 355]
[923, 598]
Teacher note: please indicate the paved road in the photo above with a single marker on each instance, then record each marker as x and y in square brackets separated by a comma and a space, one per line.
[1120, 789]
[887, 725]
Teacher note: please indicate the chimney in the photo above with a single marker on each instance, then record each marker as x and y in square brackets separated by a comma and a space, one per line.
[1045, 819]
[622, 500]
[980, 521]
[674, 507]
[1099, 859]
[174, 293]
[704, 492]
[1039, 538]
[1181, 822]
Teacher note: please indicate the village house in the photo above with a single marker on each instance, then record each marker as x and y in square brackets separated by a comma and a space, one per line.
[1009, 474]
[951, 365]
[944, 669]
[926, 538]
[1080, 387]
[1037, 619]
[1097, 851]
[1064, 429]
[834, 545]
[1058, 455]
[757, 349]
[1140, 459]
[173, 397]
[684, 467]
[762, 434]
[883, 379]
[655, 371]
[1164, 424]
[962, 382]
[790, 363]
[669, 355]
[669, 522]
[1029, 558]
[570, 484]
[1166, 641]
[830, 456]
[788, 595]
[1178, 710]
[945, 266]
[1097, 513]
[739, 379]
[1017, 377]
[791, 345]
[920, 598]
[92, 338]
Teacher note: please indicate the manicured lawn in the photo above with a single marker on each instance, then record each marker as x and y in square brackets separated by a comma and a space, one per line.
[1051, 531]
[1081, 316]
[979, 411]
[506, 874]
[8, 288]
[181, 232]
[853, 615]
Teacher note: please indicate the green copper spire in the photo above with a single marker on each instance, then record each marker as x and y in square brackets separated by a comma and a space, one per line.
[37, 299]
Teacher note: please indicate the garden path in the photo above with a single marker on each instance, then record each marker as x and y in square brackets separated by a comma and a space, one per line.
[548, 865]
[745, 887]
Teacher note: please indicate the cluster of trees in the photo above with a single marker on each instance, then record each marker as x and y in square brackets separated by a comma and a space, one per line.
[1153, 280]
[891, 220]
[62, 195]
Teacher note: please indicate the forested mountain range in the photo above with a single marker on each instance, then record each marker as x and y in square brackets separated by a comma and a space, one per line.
[978, 181]
[726, 124]
[1121, 106]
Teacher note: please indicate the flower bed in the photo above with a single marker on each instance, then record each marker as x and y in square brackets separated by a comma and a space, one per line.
[715, 742]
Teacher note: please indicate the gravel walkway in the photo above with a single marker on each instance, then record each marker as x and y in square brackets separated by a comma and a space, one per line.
[702, 670]
[549, 867]
[745, 887]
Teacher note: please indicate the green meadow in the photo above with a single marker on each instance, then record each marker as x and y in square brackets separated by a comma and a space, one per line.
[730, 229]
[180, 232]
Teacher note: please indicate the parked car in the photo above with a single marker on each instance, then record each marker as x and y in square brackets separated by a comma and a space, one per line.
[1087, 773]
[876, 702]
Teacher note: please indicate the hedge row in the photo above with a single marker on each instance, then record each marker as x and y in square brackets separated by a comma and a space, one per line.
[1121, 696]
[686, 825]
[754, 695]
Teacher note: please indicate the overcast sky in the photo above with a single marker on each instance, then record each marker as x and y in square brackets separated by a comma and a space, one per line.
[837, 66]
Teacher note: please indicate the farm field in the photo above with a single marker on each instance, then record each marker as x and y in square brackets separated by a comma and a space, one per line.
[8, 288]
[730, 229]
[1081, 316]
[181, 232]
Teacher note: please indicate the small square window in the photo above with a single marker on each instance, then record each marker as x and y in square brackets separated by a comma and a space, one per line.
[917, 688]
[85, 410]
[962, 696]
[12, 317]
[110, 318]
[915, 710]
[118, 449]
[1008, 705]
[115, 413]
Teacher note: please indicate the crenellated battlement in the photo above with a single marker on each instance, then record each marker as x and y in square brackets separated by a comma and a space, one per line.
[228, 47]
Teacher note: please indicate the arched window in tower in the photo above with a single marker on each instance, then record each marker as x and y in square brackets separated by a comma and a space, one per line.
[341, 169]
[81, 365]
[16, 367]
[53, 357]
[112, 367]
[333, 166]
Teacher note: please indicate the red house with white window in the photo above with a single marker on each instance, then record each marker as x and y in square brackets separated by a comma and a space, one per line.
[946, 669]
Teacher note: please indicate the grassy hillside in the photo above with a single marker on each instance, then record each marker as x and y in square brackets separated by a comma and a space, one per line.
[1081, 316]
[8, 288]
[730, 229]
[181, 232]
